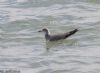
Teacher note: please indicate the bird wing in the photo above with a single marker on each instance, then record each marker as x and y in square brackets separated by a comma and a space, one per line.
[57, 37]
[62, 36]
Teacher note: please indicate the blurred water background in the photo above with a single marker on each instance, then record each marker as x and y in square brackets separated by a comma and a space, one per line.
[23, 48]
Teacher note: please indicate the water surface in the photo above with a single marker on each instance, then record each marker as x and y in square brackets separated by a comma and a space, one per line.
[23, 48]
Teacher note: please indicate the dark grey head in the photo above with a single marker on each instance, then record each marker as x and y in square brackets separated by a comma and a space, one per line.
[45, 30]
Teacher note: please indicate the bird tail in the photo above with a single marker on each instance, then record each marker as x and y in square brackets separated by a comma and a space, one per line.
[71, 32]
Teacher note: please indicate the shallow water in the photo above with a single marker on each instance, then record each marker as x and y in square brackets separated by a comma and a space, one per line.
[23, 48]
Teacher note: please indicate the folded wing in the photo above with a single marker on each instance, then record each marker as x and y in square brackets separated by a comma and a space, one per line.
[62, 36]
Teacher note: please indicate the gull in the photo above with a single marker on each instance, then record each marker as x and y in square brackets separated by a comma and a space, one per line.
[56, 37]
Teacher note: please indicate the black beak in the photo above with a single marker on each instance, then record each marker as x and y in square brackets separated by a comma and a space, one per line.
[40, 31]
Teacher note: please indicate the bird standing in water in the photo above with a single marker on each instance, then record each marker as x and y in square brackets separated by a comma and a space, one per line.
[57, 37]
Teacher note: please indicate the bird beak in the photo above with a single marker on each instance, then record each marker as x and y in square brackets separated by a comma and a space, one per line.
[40, 31]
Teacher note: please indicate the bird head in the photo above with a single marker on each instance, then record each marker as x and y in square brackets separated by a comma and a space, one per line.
[45, 30]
